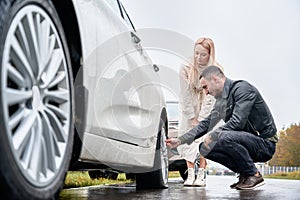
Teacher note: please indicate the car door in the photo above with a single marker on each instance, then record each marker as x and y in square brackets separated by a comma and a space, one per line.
[124, 99]
[127, 92]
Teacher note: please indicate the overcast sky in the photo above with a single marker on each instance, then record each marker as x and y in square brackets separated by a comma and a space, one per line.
[255, 40]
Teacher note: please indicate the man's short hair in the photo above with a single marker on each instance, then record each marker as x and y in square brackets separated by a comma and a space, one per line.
[212, 70]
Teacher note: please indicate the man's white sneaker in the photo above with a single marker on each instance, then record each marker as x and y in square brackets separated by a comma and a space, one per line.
[191, 177]
[201, 178]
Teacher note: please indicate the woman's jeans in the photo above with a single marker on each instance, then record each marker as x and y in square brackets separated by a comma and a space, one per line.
[238, 151]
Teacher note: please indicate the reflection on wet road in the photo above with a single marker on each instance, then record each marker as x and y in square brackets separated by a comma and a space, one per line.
[217, 188]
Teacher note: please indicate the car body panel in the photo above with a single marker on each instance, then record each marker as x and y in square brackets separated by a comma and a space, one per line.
[118, 155]
[119, 78]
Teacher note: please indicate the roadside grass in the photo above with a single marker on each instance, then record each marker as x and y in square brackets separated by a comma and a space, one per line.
[285, 175]
[174, 174]
[82, 179]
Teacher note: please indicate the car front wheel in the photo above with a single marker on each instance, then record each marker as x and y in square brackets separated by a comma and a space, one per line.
[158, 176]
[36, 100]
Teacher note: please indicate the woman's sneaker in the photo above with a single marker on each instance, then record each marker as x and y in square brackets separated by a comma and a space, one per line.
[201, 178]
[191, 177]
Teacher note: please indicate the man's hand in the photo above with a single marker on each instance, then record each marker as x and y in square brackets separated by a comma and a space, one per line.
[207, 142]
[173, 142]
[211, 138]
[194, 122]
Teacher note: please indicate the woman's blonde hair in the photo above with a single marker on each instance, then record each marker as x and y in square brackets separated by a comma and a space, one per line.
[194, 74]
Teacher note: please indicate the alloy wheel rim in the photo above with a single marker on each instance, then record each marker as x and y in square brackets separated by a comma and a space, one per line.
[36, 98]
[164, 156]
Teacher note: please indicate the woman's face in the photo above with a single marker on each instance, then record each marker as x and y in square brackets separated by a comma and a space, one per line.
[201, 55]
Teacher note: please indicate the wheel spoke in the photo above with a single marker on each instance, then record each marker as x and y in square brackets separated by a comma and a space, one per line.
[17, 96]
[15, 76]
[44, 41]
[20, 60]
[54, 65]
[58, 112]
[49, 143]
[16, 118]
[56, 144]
[45, 158]
[59, 96]
[59, 78]
[57, 126]
[50, 50]
[25, 150]
[21, 35]
[34, 42]
[38, 31]
[36, 157]
[23, 130]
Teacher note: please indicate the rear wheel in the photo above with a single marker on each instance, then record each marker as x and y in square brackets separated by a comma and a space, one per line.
[95, 174]
[158, 176]
[36, 100]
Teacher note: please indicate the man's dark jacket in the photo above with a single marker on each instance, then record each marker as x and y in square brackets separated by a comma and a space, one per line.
[242, 108]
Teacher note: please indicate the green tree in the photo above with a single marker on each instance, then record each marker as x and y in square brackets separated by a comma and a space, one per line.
[288, 148]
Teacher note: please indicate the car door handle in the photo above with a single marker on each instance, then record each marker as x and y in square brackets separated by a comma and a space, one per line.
[135, 38]
[136, 42]
[155, 67]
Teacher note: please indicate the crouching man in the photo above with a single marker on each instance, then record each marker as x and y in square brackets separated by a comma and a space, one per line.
[249, 134]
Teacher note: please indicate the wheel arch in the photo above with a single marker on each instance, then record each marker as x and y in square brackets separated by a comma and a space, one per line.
[67, 16]
[164, 118]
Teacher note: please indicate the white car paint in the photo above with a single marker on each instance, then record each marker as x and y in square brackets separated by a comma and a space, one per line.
[124, 100]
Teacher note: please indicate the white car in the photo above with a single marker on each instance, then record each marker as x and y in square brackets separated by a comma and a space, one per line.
[77, 91]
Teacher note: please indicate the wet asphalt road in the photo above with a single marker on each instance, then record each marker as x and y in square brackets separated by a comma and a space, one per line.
[217, 188]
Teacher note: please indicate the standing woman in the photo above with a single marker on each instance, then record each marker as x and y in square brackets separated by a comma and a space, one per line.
[195, 105]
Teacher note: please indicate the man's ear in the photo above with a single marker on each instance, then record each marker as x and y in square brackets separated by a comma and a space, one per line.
[215, 78]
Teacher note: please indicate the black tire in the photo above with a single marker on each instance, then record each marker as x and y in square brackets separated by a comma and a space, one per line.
[95, 174]
[36, 147]
[112, 175]
[130, 177]
[157, 178]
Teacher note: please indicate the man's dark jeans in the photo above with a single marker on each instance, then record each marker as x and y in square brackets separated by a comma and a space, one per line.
[239, 151]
